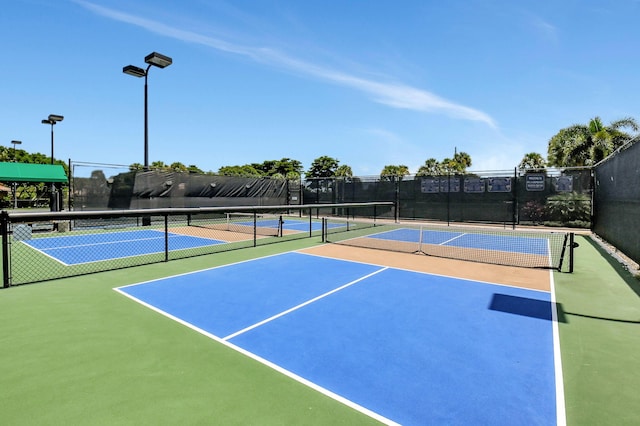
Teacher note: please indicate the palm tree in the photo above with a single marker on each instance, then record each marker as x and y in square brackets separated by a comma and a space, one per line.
[532, 161]
[391, 172]
[344, 171]
[581, 145]
[462, 160]
[431, 167]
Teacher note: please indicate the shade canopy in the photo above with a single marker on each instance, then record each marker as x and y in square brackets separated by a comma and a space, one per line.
[27, 172]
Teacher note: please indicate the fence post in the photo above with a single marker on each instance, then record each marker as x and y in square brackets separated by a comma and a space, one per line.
[4, 229]
[166, 237]
[255, 228]
[571, 252]
[515, 218]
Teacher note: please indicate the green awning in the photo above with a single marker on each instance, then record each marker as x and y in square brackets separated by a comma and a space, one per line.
[26, 172]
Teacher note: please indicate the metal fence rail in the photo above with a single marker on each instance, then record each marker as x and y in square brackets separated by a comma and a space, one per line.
[42, 246]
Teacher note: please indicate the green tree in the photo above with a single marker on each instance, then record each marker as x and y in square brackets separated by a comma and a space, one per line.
[461, 160]
[585, 145]
[178, 167]
[192, 168]
[431, 167]
[344, 171]
[158, 165]
[457, 164]
[136, 167]
[288, 167]
[391, 172]
[323, 166]
[245, 171]
[532, 161]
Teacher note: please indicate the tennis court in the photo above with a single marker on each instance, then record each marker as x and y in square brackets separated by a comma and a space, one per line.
[400, 345]
[523, 248]
[109, 245]
[86, 248]
[263, 224]
[517, 244]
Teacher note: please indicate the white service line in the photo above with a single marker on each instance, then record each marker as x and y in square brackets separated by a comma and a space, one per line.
[315, 299]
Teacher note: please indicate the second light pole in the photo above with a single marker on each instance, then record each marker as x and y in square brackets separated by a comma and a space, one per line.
[54, 200]
[157, 60]
[52, 120]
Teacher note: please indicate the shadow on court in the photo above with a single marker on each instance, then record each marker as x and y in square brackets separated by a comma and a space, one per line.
[524, 306]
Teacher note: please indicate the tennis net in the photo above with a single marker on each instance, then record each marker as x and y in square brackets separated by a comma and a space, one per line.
[522, 248]
[263, 224]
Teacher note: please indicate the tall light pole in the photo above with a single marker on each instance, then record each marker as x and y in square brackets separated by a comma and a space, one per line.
[14, 148]
[52, 120]
[153, 59]
[15, 184]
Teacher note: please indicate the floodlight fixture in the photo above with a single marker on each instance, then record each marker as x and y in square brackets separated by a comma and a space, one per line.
[134, 71]
[55, 117]
[14, 148]
[158, 60]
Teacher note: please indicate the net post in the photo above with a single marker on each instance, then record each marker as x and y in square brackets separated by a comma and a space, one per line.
[396, 214]
[564, 248]
[4, 229]
[311, 224]
[324, 224]
[514, 218]
[571, 247]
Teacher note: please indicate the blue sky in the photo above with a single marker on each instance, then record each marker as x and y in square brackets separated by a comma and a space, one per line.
[370, 83]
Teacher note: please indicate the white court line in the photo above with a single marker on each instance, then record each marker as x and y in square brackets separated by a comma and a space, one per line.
[295, 308]
[561, 415]
[452, 239]
[251, 355]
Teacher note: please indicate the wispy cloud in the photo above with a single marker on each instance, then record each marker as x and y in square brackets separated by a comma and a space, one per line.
[544, 29]
[395, 95]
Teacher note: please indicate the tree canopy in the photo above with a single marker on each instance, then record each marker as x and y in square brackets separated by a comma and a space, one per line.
[585, 145]
[285, 167]
[457, 164]
[393, 172]
[532, 161]
[323, 166]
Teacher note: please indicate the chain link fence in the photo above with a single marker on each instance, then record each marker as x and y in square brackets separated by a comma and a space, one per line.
[43, 246]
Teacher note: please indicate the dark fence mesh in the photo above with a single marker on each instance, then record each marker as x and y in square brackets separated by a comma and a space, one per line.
[617, 201]
[100, 187]
[550, 197]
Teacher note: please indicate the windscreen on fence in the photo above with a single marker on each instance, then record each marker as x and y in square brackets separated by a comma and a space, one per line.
[556, 197]
[100, 187]
[544, 197]
[617, 201]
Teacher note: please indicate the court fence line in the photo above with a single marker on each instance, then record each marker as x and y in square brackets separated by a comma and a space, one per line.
[42, 246]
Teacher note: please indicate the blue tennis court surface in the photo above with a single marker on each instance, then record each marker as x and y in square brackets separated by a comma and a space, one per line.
[77, 249]
[401, 346]
[289, 224]
[516, 244]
